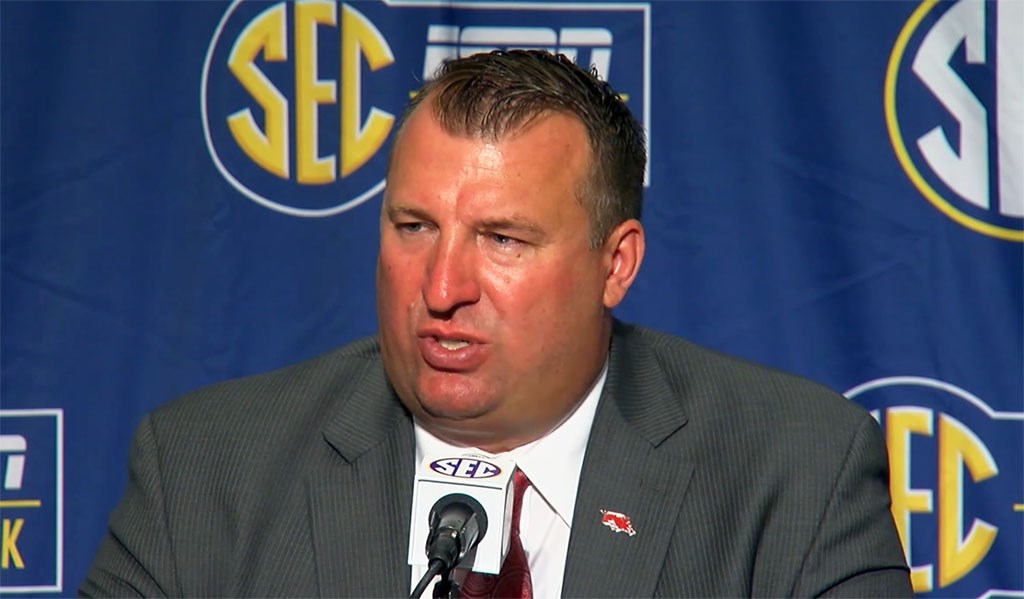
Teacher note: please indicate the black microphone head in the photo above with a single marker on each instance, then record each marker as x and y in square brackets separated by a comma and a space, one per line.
[457, 523]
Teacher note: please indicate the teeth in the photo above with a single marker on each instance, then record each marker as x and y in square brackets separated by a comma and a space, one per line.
[451, 344]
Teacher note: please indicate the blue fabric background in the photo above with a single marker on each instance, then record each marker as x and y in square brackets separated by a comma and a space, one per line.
[781, 227]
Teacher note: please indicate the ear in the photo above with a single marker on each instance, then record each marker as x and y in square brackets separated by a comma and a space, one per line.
[623, 253]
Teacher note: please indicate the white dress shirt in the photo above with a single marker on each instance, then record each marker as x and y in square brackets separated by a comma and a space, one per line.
[553, 464]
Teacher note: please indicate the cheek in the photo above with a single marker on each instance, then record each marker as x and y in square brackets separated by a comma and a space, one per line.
[396, 290]
[505, 282]
[539, 298]
[395, 273]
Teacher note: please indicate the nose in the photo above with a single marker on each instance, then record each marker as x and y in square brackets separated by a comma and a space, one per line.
[452, 277]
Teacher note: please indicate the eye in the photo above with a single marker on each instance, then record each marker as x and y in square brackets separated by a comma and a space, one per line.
[505, 242]
[410, 227]
[500, 239]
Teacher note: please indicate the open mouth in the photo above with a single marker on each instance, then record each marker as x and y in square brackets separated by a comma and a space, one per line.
[452, 344]
[452, 351]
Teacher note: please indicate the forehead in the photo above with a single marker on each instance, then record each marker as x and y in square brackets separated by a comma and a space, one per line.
[551, 147]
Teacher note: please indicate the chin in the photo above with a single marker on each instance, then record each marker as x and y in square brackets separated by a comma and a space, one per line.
[454, 403]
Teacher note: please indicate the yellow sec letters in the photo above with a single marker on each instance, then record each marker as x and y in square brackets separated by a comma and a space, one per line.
[267, 147]
[268, 144]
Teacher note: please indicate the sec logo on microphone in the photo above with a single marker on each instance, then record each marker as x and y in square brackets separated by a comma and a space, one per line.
[465, 468]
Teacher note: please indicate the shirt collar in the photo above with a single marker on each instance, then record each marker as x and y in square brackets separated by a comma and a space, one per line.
[553, 462]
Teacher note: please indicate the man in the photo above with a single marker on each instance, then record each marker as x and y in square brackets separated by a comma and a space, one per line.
[508, 233]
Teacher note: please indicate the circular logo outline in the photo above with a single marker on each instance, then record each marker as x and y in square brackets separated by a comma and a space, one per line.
[241, 188]
[921, 381]
[900, 148]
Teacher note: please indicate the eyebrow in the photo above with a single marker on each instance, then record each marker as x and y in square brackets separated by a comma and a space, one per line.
[506, 223]
[404, 210]
[513, 223]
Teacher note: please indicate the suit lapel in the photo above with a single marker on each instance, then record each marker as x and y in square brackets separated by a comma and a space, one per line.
[633, 466]
[361, 498]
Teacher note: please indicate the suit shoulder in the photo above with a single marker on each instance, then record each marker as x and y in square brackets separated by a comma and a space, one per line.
[284, 393]
[716, 380]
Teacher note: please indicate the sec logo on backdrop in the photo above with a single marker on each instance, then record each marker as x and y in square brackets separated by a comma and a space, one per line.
[287, 116]
[299, 100]
[954, 113]
[955, 478]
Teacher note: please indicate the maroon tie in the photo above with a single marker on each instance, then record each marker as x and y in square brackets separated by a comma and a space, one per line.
[514, 578]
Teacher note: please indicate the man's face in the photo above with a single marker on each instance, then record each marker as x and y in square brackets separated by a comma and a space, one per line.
[492, 305]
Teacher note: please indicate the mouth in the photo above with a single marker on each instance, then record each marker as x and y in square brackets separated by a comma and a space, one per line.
[452, 344]
[452, 352]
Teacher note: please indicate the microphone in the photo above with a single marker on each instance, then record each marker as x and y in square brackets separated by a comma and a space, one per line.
[460, 497]
[457, 523]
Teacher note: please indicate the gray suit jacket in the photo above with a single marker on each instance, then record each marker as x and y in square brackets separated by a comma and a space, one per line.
[739, 480]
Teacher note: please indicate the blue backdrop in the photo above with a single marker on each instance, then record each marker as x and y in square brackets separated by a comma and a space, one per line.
[190, 193]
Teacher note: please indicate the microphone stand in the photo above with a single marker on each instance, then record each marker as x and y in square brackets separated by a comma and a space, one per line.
[436, 567]
[446, 588]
